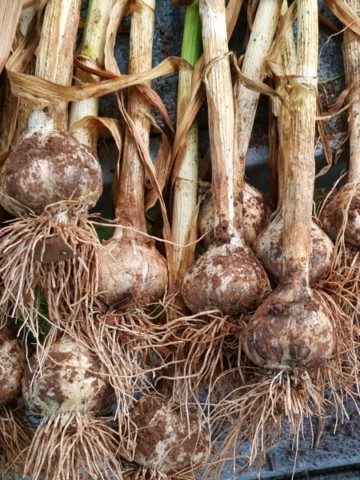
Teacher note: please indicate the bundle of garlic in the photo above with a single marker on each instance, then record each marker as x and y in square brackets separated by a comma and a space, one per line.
[339, 212]
[49, 181]
[227, 279]
[256, 212]
[115, 384]
[68, 388]
[132, 275]
[171, 442]
[298, 344]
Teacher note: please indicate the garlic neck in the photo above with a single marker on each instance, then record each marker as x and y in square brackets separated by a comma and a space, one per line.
[39, 123]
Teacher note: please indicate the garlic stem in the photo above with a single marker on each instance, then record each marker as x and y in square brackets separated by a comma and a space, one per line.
[299, 143]
[130, 200]
[287, 58]
[92, 49]
[185, 188]
[221, 116]
[56, 52]
[253, 67]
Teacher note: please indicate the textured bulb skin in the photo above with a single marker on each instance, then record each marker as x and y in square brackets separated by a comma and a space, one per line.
[288, 331]
[227, 277]
[268, 248]
[256, 215]
[333, 216]
[70, 380]
[166, 439]
[131, 269]
[46, 169]
[12, 365]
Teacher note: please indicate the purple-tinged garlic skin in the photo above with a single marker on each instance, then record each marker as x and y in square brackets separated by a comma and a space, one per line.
[167, 440]
[46, 169]
[268, 248]
[131, 269]
[12, 365]
[256, 215]
[70, 380]
[289, 331]
[347, 199]
[227, 277]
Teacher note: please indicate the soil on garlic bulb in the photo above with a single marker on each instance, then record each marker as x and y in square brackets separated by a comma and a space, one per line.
[45, 169]
[69, 378]
[67, 386]
[281, 333]
[268, 248]
[131, 271]
[256, 215]
[227, 277]
[169, 441]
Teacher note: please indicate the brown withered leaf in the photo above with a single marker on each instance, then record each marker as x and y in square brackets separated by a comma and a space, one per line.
[38, 90]
[9, 17]
[345, 14]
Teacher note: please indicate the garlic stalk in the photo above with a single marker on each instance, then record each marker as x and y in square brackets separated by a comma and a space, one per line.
[131, 268]
[92, 51]
[341, 215]
[185, 187]
[290, 329]
[269, 244]
[228, 276]
[49, 181]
